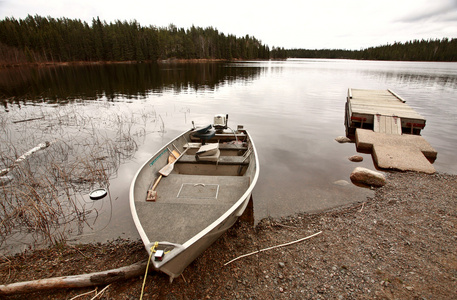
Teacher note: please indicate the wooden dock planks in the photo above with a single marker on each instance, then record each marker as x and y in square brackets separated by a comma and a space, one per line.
[387, 124]
[382, 102]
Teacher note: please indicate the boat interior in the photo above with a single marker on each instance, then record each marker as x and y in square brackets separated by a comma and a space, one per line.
[210, 176]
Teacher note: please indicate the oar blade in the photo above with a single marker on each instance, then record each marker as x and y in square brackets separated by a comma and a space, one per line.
[165, 171]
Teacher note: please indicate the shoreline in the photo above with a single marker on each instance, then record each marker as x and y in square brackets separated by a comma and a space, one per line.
[89, 63]
[398, 244]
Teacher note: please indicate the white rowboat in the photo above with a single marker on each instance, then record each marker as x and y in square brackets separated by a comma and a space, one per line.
[198, 194]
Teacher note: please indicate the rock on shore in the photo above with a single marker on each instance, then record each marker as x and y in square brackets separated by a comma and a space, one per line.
[368, 177]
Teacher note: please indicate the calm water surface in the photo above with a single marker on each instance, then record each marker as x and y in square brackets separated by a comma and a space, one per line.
[293, 109]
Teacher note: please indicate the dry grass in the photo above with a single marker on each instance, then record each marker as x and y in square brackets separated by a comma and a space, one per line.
[41, 197]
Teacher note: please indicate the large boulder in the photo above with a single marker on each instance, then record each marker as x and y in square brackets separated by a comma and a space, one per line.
[368, 177]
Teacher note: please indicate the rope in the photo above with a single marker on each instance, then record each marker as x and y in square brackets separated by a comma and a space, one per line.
[147, 267]
[152, 250]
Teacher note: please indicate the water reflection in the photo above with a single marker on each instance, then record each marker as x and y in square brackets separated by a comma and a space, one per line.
[62, 84]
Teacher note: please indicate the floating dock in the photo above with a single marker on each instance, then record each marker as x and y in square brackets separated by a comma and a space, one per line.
[382, 123]
[381, 111]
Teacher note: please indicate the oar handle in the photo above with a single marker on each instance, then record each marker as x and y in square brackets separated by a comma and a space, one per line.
[156, 183]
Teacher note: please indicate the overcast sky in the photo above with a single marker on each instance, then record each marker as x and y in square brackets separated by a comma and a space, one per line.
[319, 24]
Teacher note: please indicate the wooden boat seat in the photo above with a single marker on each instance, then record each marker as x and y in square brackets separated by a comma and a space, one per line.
[223, 160]
[222, 146]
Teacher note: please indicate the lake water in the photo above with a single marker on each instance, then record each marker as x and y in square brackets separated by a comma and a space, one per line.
[293, 109]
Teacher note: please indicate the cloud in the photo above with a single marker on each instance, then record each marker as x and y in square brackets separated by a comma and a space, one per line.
[441, 11]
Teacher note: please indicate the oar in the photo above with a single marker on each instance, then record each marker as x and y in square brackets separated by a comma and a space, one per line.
[165, 171]
[174, 155]
[152, 194]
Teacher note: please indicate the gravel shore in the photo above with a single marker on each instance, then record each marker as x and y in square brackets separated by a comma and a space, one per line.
[401, 244]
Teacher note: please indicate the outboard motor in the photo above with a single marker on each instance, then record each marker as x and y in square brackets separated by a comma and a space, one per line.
[220, 122]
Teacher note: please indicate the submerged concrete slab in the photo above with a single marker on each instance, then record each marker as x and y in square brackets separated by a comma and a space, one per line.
[402, 158]
[398, 152]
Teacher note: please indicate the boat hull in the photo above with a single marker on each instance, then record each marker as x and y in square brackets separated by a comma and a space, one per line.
[185, 225]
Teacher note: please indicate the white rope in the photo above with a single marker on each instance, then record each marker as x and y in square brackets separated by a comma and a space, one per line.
[273, 247]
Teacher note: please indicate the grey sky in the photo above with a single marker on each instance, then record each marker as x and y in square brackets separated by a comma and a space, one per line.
[349, 24]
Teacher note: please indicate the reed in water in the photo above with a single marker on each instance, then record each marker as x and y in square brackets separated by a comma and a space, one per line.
[42, 188]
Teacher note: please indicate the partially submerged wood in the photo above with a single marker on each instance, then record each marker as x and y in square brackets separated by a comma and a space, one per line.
[39, 147]
[75, 281]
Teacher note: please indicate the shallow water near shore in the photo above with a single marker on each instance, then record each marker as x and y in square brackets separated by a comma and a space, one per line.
[293, 110]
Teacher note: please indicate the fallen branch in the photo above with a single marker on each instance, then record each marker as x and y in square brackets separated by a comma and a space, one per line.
[24, 156]
[274, 247]
[27, 120]
[84, 294]
[101, 292]
[363, 204]
[75, 281]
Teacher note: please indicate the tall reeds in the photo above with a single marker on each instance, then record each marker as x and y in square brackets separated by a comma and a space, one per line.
[42, 197]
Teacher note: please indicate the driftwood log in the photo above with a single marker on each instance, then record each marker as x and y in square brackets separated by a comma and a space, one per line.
[39, 147]
[75, 281]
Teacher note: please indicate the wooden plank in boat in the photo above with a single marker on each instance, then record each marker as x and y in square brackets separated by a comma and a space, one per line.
[223, 160]
[222, 146]
[224, 137]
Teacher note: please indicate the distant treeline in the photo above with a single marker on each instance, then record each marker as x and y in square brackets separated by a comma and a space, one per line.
[37, 39]
[423, 50]
[46, 39]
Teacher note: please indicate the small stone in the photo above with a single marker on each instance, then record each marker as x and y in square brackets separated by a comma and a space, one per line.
[341, 182]
[281, 290]
[385, 283]
[356, 158]
[409, 288]
[281, 264]
[343, 139]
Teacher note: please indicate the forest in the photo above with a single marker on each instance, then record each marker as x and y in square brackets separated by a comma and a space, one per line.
[46, 39]
[37, 39]
[417, 50]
